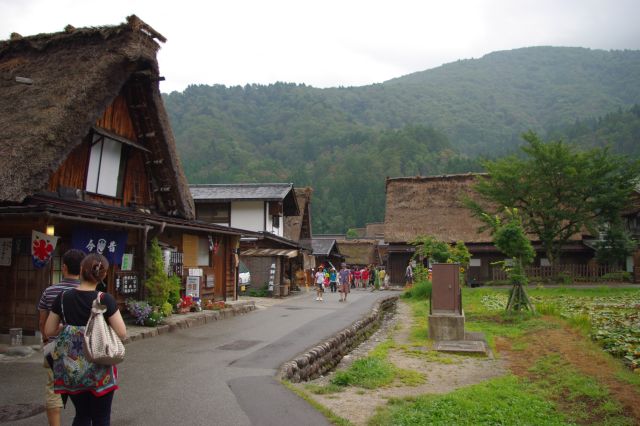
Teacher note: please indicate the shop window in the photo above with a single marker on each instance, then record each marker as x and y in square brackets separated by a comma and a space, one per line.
[106, 167]
[204, 255]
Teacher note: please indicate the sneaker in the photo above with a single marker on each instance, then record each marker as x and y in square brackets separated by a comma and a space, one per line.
[317, 298]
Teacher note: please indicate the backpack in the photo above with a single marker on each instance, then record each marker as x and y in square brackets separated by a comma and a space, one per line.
[72, 371]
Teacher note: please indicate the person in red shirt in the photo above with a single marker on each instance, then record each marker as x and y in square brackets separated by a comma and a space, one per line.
[365, 277]
[357, 275]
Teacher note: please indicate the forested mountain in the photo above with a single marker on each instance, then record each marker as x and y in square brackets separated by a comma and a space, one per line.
[345, 141]
[619, 130]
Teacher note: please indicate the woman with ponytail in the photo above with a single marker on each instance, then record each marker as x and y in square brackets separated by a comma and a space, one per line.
[90, 386]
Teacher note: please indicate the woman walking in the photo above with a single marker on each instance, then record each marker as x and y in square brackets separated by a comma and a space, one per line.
[90, 386]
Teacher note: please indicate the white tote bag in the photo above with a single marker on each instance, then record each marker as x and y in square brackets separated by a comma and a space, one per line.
[101, 344]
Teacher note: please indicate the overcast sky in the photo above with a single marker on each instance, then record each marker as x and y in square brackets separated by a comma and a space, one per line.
[326, 43]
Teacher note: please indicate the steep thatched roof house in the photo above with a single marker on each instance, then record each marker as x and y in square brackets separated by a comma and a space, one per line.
[434, 206]
[359, 251]
[87, 153]
[298, 227]
[56, 87]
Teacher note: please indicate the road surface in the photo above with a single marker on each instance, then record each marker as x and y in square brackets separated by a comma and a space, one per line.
[220, 373]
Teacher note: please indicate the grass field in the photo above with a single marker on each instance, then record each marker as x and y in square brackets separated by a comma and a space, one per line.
[560, 374]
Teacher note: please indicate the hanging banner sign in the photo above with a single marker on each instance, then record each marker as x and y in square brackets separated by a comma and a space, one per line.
[110, 244]
[42, 248]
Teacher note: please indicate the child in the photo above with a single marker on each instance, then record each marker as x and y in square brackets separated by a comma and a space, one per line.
[319, 283]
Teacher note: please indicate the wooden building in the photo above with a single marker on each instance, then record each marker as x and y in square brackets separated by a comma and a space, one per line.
[433, 206]
[262, 210]
[298, 228]
[87, 154]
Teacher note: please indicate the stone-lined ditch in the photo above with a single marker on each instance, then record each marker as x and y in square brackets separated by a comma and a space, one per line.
[324, 357]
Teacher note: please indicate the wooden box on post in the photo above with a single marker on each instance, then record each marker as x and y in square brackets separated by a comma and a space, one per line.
[446, 317]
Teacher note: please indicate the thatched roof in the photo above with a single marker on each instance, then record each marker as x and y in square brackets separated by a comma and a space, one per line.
[299, 226]
[375, 230]
[53, 89]
[358, 252]
[431, 206]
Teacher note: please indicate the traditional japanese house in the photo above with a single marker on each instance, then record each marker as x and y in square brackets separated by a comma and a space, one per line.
[88, 160]
[631, 220]
[298, 228]
[324, 251]
[434, 206]
[261, 209]
[361, 252]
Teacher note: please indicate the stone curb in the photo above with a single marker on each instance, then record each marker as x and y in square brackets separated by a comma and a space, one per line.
[192, 319]
[323, 357]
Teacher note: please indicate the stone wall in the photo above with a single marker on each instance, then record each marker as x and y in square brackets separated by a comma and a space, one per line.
[323, 358]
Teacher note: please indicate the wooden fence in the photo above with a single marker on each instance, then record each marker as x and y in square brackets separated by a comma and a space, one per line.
[575, 272]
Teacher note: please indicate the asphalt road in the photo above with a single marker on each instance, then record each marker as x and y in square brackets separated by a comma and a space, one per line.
[216, 374]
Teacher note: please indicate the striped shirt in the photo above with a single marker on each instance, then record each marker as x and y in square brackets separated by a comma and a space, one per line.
[50, 293]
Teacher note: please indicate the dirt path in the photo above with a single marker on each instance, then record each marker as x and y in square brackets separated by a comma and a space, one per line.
[443, 373]
[585, 356]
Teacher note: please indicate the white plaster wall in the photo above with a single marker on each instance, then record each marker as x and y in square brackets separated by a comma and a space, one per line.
[276, 231]
[248, 215]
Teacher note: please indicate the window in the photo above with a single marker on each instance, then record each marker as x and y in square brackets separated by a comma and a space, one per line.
[275, 221]
[213, 212]
[106, 167]
[474, 261]
[204, 255]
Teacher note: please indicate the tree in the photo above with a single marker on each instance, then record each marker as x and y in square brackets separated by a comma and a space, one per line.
[559, 190]
[616, 245]
[510, 238]
[352, 233]
[428, 247]
[162, 288]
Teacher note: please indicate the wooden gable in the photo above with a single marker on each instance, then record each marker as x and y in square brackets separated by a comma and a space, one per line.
[72, 174]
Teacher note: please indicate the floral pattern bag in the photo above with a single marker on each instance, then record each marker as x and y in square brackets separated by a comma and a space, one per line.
[73, 372]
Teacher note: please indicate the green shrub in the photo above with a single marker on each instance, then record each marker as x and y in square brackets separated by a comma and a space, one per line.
[259, 292]
[161, 287]
[564, 278]
[153, 319]
[166, 309]
[421, 290]
[616, 276]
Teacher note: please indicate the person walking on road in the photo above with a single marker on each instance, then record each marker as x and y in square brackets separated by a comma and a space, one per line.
[89, 385]
[408, 275]
[319, 283]
[333, 280]
[70, 279]
[345, 282]
[364, 274]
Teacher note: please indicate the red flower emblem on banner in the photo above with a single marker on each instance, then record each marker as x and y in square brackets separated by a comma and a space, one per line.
[42, 249]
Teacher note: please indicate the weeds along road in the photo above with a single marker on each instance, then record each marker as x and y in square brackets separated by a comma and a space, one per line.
[220, 373]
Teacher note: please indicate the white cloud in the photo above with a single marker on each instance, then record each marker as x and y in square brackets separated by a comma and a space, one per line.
[334, 42]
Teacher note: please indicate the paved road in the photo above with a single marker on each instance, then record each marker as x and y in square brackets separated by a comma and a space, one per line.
[215, 374]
